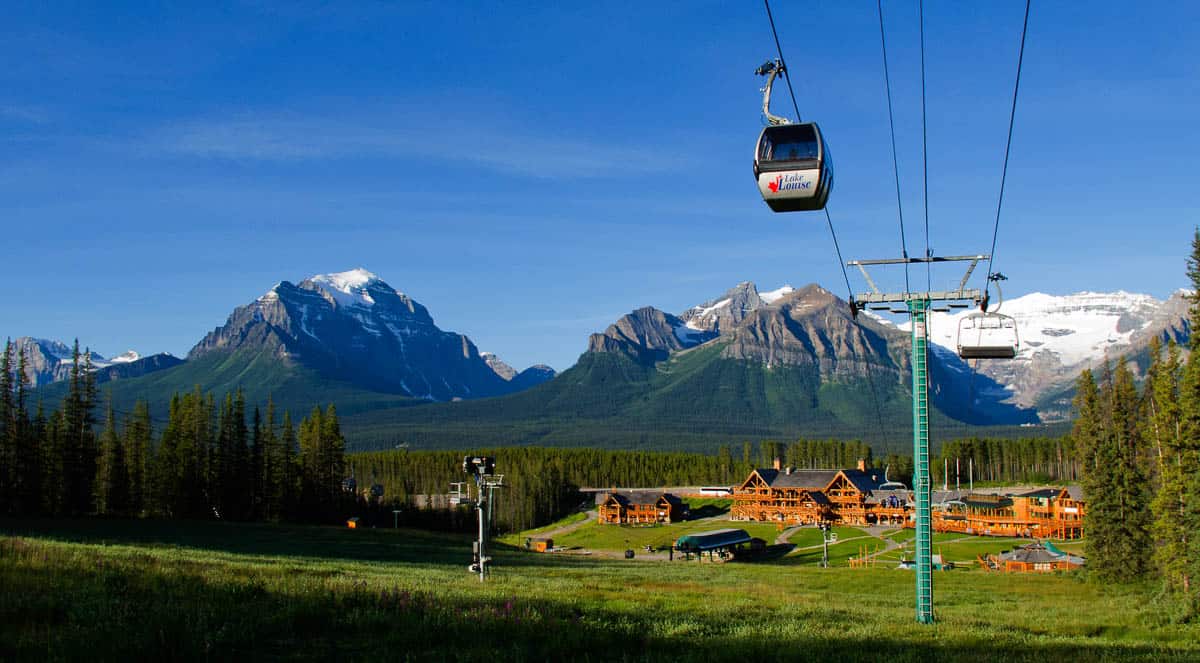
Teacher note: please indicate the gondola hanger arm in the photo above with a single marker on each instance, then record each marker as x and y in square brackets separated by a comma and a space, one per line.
[771, 69]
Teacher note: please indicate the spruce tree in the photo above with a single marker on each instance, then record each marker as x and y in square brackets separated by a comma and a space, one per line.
[7, 430]
[1130, 457]
[289, 469]
[112, 474]
[137, 440]
[1088, 434]
[1163, 425]
[1189, 414]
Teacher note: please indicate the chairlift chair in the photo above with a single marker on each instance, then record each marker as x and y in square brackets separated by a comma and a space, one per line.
[985, 335]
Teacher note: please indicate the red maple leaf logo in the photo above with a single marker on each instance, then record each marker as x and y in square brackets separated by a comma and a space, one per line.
[773, 186]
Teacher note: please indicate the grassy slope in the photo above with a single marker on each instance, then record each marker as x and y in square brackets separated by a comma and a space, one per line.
[144, 590]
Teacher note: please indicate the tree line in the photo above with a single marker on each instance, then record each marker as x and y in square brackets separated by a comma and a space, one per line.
[1140, 452]
[210, 459]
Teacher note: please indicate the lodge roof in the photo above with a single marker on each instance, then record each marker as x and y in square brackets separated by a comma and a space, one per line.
[866, 481]
[1043, 493]
[986, 501]
[637, 497]
[1036, 553]
[901, 494]
[813, 479]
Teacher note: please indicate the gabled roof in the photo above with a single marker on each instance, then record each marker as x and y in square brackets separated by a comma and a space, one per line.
[637, 497]
[813, 479]
[865, 481]
[986, 501]
[1043, 493]
[880, 495]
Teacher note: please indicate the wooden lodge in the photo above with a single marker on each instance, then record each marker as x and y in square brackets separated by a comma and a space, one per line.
[790, 496]
[863, 496]
[1047, 513]
[639, 507]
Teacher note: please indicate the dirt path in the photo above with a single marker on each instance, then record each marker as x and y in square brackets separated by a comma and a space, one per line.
[565, 529]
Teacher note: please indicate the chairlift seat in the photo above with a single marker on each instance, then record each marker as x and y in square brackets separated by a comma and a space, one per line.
[988, 336]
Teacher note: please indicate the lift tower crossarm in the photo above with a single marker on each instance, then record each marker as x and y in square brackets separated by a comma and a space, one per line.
[963, 293]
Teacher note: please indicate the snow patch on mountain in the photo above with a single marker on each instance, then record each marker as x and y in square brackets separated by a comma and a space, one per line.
[702, 311]
[773, 296]
[348, 288]
[125, 357]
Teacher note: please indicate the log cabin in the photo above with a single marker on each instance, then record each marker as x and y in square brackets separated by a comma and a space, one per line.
[640, 507]
[858, 496]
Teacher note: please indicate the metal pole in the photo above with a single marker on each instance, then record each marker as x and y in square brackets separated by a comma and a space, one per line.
[482, 536]
[918, 308]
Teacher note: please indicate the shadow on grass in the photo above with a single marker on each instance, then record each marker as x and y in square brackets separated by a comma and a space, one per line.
[707, 511]
[280, 540]
[151, 609]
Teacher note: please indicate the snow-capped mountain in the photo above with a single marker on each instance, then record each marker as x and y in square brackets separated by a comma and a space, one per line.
[355, 327]
[49, 361]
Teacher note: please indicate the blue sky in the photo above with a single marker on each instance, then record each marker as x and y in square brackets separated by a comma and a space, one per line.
[530, 171]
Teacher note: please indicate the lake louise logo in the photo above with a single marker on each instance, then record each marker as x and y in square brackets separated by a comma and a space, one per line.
[789, 183]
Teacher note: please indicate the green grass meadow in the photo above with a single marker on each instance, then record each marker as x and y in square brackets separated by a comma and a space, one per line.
[144, 590]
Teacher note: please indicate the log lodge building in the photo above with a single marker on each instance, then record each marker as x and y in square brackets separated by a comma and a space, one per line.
[863, 496]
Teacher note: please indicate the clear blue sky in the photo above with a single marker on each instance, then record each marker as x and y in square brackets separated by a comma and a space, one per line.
[530, 171]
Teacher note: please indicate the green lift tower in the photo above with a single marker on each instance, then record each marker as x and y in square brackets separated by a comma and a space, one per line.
[918, 305]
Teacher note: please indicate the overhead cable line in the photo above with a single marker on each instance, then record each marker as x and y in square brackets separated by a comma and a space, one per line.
[925, 154]
[779, 49]
[829, 221]
[1007, 149]
[892, 123]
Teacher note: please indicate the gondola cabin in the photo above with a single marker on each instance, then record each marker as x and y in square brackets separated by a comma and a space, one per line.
[793, 167]
[987, 336]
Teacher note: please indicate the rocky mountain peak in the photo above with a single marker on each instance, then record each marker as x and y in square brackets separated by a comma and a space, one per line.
[354, 326]
[723, 313]
[506, 372]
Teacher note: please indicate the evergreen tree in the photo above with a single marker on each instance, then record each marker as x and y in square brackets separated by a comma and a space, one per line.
[1170, 532]
[137, 440]
[1189, 453]
[26, 446]
[333, 447]
[1097, 485]
[78, 440]
[112, 474]
[257, 470]
[289, 468]
[7, 429]
[1131, 481]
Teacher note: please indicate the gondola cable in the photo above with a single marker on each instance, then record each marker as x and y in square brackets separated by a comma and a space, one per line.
[779, 49]
[829, 221]
[1007, 149]
[925, 153]
[895, 161]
